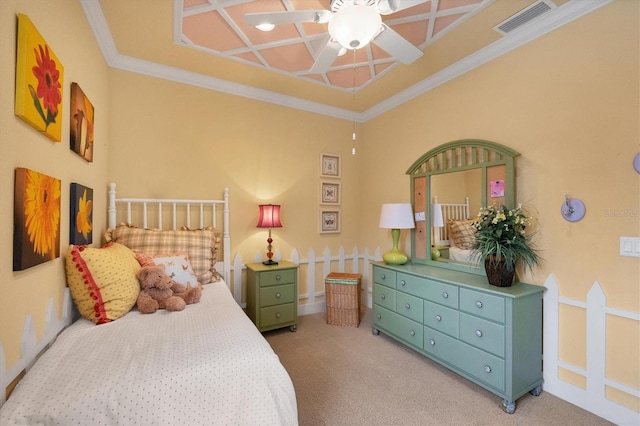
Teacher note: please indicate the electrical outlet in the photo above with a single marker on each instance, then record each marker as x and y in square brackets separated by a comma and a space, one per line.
[630, 246]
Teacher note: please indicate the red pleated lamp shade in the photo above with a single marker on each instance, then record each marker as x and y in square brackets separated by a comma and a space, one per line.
[269, 216]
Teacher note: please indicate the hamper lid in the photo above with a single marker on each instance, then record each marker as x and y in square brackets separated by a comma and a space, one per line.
[344, 278]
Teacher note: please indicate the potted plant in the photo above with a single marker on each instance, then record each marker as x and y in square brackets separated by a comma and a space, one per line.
[501, 241]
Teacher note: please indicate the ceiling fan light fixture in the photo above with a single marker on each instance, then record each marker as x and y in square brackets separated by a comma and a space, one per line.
[354, 26]
[265, 27]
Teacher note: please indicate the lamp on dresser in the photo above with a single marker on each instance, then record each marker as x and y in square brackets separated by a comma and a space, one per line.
[396, 216]
[269, 218]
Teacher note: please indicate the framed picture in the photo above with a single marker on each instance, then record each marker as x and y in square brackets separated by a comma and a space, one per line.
[81, 124]
[330, 221]
[330, 193]
[81, 215]
[36, 219]
[330, 165]
[39, 81]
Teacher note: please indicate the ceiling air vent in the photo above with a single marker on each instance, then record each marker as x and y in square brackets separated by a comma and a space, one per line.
[525, 15]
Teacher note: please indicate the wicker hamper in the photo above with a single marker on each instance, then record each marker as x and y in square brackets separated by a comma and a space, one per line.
[342, 293]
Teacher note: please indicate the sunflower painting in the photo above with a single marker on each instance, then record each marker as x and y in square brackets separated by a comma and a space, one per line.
[36, 219]
[81, 217]
[81, 129]
[39, 81]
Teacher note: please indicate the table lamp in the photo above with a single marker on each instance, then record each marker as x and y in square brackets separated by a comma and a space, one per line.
[396, 216]
[437, 221]
[269, 218]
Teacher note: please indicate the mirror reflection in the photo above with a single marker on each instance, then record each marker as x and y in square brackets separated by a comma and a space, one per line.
[456, 199]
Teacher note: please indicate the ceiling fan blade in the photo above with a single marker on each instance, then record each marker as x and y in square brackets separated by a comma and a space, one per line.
[396, 45]
[327, 55]
[387, 7]
[289, 17]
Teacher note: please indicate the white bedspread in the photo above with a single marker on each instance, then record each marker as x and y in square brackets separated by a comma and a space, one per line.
[205, 365]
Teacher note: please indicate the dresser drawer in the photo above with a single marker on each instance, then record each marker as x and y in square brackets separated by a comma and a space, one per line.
[482, 334]
[409, 306]
[483, 305]
[277, 295]
[400, 327]
[285, 276]
[384, 296]
[384, 277]
[279, 314]
[441, 318]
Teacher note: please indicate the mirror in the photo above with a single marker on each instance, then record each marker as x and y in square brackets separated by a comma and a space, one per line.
[449, 184]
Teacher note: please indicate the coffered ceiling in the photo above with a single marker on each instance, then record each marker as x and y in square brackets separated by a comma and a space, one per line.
[207, 43]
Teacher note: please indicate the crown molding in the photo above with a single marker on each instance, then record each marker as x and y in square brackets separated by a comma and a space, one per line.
[556, 18]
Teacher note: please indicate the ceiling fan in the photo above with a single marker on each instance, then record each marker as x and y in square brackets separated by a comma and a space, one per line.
[352, 25]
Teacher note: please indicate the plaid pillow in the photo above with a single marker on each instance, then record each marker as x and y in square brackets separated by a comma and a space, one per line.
[462, 234]
[201, 246]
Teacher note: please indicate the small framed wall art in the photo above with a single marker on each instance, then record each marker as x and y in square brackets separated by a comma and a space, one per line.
[330, 221]
[36, 219]
[39, 81]
[81, 127]
[81, 215]
[330, 165]
[330, 193]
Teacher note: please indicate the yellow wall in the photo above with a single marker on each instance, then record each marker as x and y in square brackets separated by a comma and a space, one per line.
[568, 102]
[64, 27]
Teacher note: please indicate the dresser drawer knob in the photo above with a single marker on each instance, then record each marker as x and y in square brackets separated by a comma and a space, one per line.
[445, 295]
[403, 283]
[432, 342]
[383, 296]
[378, 316]
[278, 277]
[278, 295]
[487, 369]
[412, 333]
[479, 304]
[383, 277]
[407, 306]
[278, 315]
[438, 318]
[479, 333]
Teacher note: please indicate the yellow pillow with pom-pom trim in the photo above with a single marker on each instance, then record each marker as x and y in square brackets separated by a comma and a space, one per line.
[102, 281]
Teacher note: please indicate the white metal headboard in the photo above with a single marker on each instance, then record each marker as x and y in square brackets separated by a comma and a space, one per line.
[207, 213]
[456, 211]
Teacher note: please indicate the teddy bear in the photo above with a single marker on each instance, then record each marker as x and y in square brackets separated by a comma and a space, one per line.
[159, 291]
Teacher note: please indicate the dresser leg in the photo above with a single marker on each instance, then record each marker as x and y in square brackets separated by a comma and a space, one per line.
[509, 406]
[293, 328]
[375, 331]
[536, 391]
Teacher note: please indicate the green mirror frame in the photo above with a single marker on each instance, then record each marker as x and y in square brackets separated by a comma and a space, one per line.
[495, 161]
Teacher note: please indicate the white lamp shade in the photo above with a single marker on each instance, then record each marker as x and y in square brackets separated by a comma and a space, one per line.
[396, 216]
[354, 26]
[436, 216]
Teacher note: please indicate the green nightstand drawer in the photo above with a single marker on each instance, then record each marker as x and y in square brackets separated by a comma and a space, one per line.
[285, 276]
[483, 305]
[482, 334]
[279, 314]
[384, 277]
[400, 327]
[409, 306]
[277, 295]
[441, 318]
[384, 296]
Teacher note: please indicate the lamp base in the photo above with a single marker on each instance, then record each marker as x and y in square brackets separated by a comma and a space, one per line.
[270, 262]
[395, 257]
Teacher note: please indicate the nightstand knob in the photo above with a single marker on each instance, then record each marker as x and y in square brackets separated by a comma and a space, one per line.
[278, 295]
[407, 306]
[403, 283]
[278, 277]
[412, 333]
[479, 304]
[378, 316]
[478, 333]
[278, 315]
[487, 369]
[445, 295]
[432, 342]
[438, 318]
[383, 296]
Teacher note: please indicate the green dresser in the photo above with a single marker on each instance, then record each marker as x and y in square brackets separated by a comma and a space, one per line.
[490, 335]
[272, 295]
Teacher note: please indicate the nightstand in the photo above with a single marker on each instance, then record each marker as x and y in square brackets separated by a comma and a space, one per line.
[272, 295]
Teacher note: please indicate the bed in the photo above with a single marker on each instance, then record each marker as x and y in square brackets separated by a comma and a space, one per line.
[207, 364]
[457, 233]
